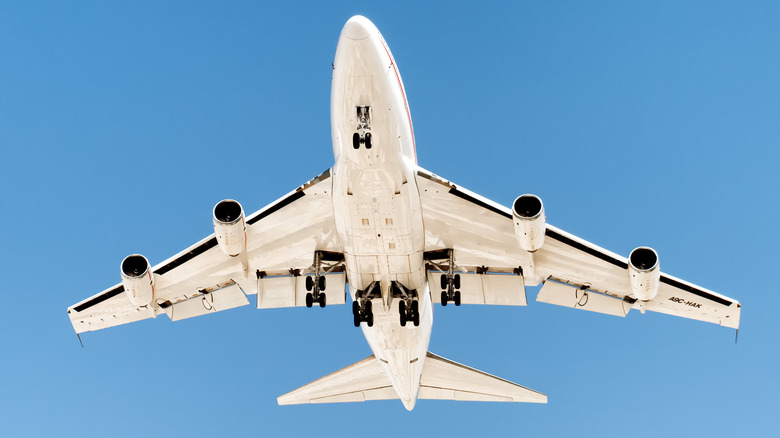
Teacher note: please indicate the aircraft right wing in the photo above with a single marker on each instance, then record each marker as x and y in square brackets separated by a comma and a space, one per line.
[576, 273]
[281, 242]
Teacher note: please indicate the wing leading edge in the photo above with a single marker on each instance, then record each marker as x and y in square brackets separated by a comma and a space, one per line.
[282, 239]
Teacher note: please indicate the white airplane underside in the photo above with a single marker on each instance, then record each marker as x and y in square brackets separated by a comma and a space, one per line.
[397, 238]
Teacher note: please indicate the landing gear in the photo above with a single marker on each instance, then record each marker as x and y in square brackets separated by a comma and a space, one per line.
[408, 304]
[450, 281]
[362, 308]
[364, 125]
[316, 283]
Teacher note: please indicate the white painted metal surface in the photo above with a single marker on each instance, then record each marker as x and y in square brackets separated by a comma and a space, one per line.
[382, 220]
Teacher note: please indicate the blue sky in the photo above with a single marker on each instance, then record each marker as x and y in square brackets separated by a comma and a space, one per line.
[653, 123]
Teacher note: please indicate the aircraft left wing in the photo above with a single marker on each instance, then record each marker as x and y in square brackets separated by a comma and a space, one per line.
[281, 242]
[576, 273]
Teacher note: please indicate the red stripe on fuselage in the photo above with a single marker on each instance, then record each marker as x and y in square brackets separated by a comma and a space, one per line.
[403, 94]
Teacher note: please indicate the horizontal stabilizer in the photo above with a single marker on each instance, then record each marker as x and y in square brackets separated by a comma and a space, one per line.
[443, 379]
[361, 381]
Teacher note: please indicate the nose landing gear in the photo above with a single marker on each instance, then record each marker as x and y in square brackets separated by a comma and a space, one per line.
[364, 124]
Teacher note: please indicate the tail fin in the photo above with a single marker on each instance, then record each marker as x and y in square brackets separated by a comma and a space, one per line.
[442, 379]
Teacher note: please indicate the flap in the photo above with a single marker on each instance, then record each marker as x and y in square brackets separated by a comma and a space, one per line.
[290, 291]
[225, 298]
[564, 295]
[489, 288]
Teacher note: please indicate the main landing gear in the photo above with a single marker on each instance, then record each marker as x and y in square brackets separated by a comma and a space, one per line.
[408, 304]
[450, 281]
[364, 124]
[361, 307]
[316, 284]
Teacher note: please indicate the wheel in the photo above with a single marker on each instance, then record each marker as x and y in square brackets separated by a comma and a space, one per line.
[457, 298]
[370, 320]
[356, 140]
[443, 298]
[416, 319]
[321, 300]
[416, 313]
[309, 283]
[444, 281]
[368, 140]
[356, 319]
[368, 307]
[309, 299]
[402, 312]
[457, 281]
[322, 282]
[355, 308]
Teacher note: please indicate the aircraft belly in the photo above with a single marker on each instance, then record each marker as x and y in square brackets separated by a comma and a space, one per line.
[377, 204]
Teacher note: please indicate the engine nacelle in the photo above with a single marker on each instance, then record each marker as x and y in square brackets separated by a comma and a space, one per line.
[138, 280]
[230, 227]
[529, 220]
[644, 273]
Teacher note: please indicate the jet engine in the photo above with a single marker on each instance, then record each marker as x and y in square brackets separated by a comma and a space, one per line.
[528, 214]
[230, 227]
[138, 280]
[644, 275]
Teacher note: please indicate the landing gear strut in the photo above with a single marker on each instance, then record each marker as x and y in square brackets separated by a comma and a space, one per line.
[364, 124]
[362, 308]
[408, 304]
[450, 281]
[316, 283]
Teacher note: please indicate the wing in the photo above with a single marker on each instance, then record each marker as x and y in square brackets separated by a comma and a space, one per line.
[282, 240]
[576, 273]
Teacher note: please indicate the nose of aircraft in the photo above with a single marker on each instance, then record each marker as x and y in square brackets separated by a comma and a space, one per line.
[358, 28]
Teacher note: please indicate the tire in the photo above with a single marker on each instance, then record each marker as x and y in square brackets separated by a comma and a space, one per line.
[369, 307]
[356, 141]
[322, 300]
[309, 283]
[415, 308]
[356, 320]
[443, 298]
[416, 319]
[355, 308]
[368, 140]
[309, 300]
[444, 281]
[457, 298]
[402, 312]
[322, 283]
[370, 320]
[457, 281]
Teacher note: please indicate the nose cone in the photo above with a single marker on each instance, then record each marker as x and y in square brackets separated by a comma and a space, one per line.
[358, 28]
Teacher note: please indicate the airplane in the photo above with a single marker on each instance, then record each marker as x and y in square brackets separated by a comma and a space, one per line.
[398, 238]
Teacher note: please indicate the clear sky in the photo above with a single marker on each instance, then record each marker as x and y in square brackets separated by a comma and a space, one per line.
[638, 123]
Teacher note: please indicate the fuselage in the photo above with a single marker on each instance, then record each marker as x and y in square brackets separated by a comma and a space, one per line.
[376, 202]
